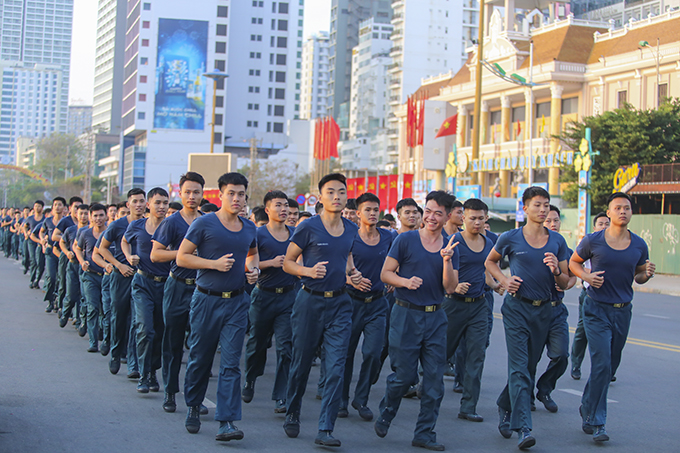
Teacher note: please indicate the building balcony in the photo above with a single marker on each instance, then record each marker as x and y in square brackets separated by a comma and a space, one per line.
[397, 18]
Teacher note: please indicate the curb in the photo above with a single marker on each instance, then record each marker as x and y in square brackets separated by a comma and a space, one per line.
[642, 289]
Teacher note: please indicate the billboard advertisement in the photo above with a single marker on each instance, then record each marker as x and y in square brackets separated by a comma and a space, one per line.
[180, 65]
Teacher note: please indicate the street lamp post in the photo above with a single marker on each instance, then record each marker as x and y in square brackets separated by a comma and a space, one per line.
[215, 76]
[657, 57]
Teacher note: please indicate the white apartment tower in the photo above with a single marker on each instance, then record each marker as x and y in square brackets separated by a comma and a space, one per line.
[314, 86]
[109, 65]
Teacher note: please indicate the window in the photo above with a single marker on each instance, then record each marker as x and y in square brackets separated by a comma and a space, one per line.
[221, 30]
[145, 43]
[569, 106]
[663, 92]
[278, 127]
[142, 97]
[147, 6]
[143, 61]
[222, 11]
[269, 127]
[278, 110]
[253, 20]
[146, 24]
[220, 84]
[273, 24]
[280, 93]
[219, 101]
[254, 72]
[283, 25]
[253, 89]
[141, 115]
[142, 79]
[249, 124]
[283, 8]
[220, 47]
[280, 76]
[270, 92]
[218, 119]
[281, 59]
[272, 41]
[622, 98]
[218, 138]
[220, 64]
[281, 42]
[273, 7]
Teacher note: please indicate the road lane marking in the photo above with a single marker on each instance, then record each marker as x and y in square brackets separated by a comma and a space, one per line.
[580, 394]
[655, 316]
[206, 402]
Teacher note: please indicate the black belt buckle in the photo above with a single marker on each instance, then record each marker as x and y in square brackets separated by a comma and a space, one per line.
[620, 305]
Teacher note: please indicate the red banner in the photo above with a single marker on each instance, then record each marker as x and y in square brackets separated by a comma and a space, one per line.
[382, 191]
[352, 188]
[407, 192]
[361, 186]
[392, 192]
[372, 185]
[213, 196]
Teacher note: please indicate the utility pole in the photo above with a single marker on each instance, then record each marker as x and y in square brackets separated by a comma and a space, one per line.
[478, 90]
[253, 159]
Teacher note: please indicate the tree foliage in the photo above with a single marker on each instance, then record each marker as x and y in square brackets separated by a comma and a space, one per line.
[273, 175]
[623, 137]
[60, 157]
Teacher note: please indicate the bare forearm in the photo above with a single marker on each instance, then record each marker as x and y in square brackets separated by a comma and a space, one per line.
[450, 277]
[108, 256]
[293, 268]
[191, 261]
[494, 269]
[163, 255]
[391, 278]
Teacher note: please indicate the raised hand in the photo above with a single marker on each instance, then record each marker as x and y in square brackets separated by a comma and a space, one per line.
[224, 264]
[447, 252]
[550, 260]
[318, 271]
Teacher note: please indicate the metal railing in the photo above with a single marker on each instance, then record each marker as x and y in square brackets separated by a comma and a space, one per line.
[660, 173]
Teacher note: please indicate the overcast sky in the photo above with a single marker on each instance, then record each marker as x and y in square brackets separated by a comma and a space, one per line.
[317, 18]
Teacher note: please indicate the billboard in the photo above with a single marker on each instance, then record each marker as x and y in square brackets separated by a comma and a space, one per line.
[180, 64]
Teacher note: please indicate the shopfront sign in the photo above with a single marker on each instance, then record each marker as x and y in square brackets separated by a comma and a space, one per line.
[508, 162]
[626, 178]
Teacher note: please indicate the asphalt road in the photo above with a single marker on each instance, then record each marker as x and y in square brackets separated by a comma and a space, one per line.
[56, 397]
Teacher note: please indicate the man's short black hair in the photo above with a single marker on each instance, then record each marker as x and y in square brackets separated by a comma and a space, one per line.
[177, 206]
[555, 209]
[109, 206]
[389, 218]
[383, 223]
[364, 198]
[74, 200]
[534, 191]
[209, 207]
[292, 203]
[62, 199]
[260, 215]
[47, 211]
[233, 178]
[204, 201]
[26, 207]
[406, 202]
[83, 207]
[475, 204]
[135, 191]
[443, 199]
[332, 177]
[318, 207]
[40, 202]
[191, 176]
[599, 215]
[616, 195]
[305, 214]
[353, 203]
[122, 204]
[157, 191]
[97, 207]
[420, 210]
[274, 194]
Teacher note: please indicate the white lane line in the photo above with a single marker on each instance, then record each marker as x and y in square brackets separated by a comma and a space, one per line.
[209, 404]
[579, 394]
[571, 304]
[655, 316]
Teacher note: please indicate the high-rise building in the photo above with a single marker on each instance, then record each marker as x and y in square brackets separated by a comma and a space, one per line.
[109, 65]
[264, 60]
[31, 103]
[314, 86]
[79, 119]
[621, 13]
[38, 32]
[344, 36]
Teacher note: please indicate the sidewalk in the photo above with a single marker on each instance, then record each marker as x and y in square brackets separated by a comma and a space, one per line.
[661, 284]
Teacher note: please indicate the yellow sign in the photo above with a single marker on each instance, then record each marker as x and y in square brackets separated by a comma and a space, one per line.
[451, 167]
[583, 161]
[625, 178]
[509, 162]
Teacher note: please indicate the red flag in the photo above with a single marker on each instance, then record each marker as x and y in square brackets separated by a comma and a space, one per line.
[316, 138]
[409, 120]
[326, 139]
[352, 188]
[421, 122]
[372, 185]
[408, 187]
[382, 191]
[334, 138]
[361, 186]
[393, 192]
[448, 127]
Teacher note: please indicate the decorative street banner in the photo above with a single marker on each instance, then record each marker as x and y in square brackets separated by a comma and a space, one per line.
[180, 87]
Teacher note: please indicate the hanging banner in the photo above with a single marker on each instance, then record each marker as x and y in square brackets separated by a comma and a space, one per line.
[407, 191]
[382, 191]
[372, 185]
[393, 192]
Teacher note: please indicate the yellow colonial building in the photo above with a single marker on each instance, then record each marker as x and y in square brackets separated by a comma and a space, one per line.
[580, 68]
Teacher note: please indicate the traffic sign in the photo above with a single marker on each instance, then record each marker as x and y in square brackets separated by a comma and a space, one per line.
[311, 200]
[301, 199]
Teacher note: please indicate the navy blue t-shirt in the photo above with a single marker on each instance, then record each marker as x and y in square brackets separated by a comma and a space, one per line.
[65, 223]
[213, 240]
[491, 235]
[49, 227]
[37, 227]
[114, 234]
[559, 295]
[619, 266]
[32, 222]
[69, 236]
[137, 236]
[526, 262]
[269, 247]
[170, 233]
[369, 259]
[471, 266]
[87, 243]
[414, 260]
[318, 245]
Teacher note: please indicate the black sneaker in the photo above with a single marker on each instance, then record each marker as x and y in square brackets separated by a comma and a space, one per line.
[105, 348]
[458, 387]
[364, 412]
[342, 413]
[548, 402]
[114, 365]
[576, 374]
[143, 385]
[228, 431]
[326, 439]
[292, 425]
[600, 434]
[526, 440]
[203, 409]
[169, 404]
[49, 308]
[193, 420]
[62, 322]
[585, 423]
[248, 391]
[381, 427]
[82, 329]
[280, 407]
[134, 374]
[504, 423]
[153, 382]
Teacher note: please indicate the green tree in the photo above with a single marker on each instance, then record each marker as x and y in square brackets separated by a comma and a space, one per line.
[59, 157]
[623, 137]
[272, 175]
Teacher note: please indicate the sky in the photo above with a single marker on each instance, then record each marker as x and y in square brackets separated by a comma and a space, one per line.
[317, 18]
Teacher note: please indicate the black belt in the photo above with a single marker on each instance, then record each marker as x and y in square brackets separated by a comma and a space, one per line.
[366, 298]
[186, 281]
[427, 308]
[326, 294]
[464, 299]
[534, 302]
[156, 278]
[95, 273]
[222, 294]
[276, 289]
[556, 303]
[620, 305]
